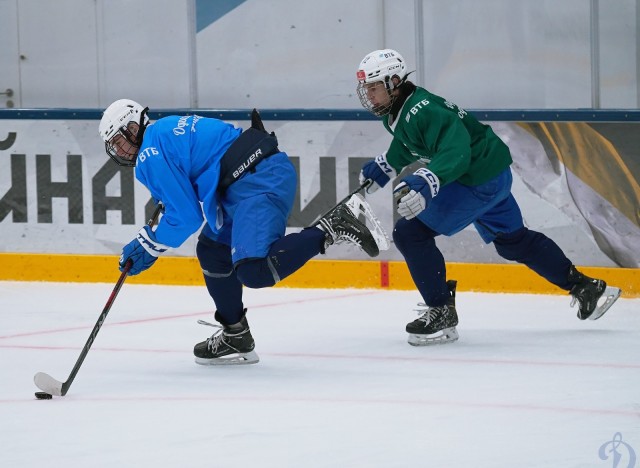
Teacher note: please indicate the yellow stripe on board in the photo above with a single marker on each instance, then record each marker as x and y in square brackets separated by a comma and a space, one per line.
[481, 277]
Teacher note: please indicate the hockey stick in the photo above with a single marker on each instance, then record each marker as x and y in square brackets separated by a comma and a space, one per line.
[48, 384]
[364, 185]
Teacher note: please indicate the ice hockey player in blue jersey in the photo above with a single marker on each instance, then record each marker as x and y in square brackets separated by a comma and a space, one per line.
[243, 187]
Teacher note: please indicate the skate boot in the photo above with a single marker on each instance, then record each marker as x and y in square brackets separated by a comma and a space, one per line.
[231, 344]
[436, 325]
[341, 225]
[587, 292]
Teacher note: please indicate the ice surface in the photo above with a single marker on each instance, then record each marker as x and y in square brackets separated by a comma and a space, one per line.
[527, 384]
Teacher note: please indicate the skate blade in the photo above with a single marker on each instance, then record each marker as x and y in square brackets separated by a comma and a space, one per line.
[359, 206]
[238, 359]
[611, 295]
[447, 335]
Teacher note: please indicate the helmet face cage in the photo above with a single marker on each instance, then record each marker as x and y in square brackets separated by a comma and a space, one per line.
[126, 141]
[375, 73]
[122, 128]
[365, 90]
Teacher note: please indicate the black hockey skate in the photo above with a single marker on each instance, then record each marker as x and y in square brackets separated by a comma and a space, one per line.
[587, 292]
[231, 344]
[341, 225]
[436, 325]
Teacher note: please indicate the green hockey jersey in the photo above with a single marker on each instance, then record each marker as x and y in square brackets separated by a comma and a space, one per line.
[451, 143]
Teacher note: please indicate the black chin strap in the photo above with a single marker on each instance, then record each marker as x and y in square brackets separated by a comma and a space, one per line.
[141, 127]
[405, 77]
[402, 80]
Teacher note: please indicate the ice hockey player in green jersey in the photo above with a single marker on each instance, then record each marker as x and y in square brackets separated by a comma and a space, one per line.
[464, 178]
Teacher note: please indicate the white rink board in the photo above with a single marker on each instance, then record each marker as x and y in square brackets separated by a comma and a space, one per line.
[340, 146]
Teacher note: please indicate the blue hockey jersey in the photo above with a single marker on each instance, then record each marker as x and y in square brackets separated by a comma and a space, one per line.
[179, 162]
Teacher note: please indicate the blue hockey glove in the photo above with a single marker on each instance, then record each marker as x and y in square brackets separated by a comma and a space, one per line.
[143, 251]
[379, 171]
[415, 191]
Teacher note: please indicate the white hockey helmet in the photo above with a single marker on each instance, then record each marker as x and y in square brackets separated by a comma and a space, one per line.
[380, 66]
[121, 128]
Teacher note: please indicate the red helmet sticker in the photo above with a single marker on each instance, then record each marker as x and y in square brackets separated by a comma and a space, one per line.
[361, 75]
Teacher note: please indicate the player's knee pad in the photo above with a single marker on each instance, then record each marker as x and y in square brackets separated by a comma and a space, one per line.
[515, 246]
[411, 234]
[257, 273]
[214, 257]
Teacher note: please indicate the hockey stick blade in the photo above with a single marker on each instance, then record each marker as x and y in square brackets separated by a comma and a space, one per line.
[48, 384]
[359, 206]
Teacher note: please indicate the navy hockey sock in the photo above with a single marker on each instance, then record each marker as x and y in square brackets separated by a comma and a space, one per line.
[286, 256]
[226, 292]
[426, 264]
[294, 250]
[538, 252]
